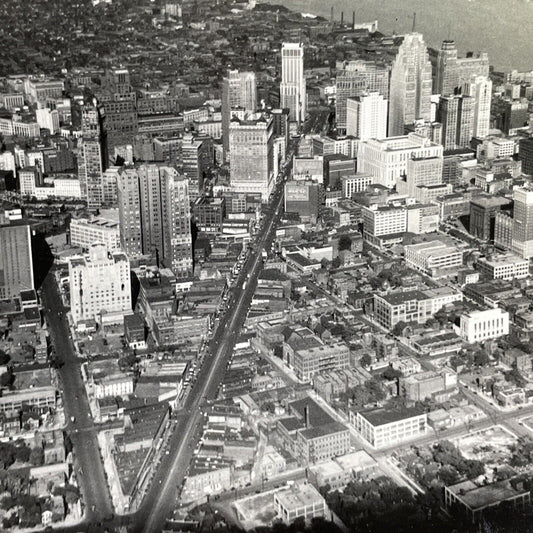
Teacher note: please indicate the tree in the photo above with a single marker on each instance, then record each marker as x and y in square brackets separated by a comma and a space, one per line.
[481, 358]
[365, 360]
[391, 373]
[4, 358]
[37, 456]
[345, 243]
[336, 263]
[398, 328]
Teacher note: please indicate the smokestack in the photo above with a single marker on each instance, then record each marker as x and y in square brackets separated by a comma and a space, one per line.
[353, 20]
[306, 417]
[332, 14]
[342, 18]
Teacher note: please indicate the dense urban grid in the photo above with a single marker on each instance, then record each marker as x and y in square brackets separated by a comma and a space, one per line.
[260, 271]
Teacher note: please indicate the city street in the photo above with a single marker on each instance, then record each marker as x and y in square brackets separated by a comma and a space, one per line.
[80, 426]
[162, 495]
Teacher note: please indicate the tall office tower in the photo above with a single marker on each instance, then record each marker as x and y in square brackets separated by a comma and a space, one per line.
[239, 91]
[366, 116]
[16, 267]
[119, 101]
[423, 171]
[355, 78]
[515, 116]
[99, 284]
[447, 75]
[281, 123]
[456, 114]
[196, 159]
[92, 155]
[90, 172]
[154, 215]
[252, 154]
[129, 209]
[410, 84]
[525, 154]
[292, 89]
[522, 235]
[480, 89]
[453, 71]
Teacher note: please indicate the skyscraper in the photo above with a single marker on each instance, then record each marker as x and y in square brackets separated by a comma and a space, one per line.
[366, 116]
[410, 85]
[252, 154]
[355, 78]
[118, 99]
[92, 155]
[525, 154]
[154, 215]
[238, 91]
[453, 71]
[447, 75]
[522, 235]
[480, 89]
[292, 89]
[456, 114]
[16, 267]
[99, 283]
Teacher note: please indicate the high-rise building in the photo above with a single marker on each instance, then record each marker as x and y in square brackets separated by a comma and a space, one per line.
[522, 237]
[525, 154]
[196, 160]
[355, 78]
[446, 79]
[92, 155]
[239, 91]
[515, 116]
[456, 114]
[280, 119]
[366, 116]
[452, 71]
[386, 160]
[252, 154]
[154, 215]
[90, 172]
[16, 266]
[48, 119]
[118, 99]
[483, 211]
[423, 172]
[293, 89]
[99, 284]
[410, 84]
[480, 89]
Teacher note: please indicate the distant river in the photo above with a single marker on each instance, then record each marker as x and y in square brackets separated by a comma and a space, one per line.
[503, 28]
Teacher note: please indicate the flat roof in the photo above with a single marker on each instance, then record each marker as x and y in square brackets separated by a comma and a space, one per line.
[298, 496]
[478, 497]
[380, 416]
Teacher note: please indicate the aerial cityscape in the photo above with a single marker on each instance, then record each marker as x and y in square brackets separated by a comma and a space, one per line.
[262, 270]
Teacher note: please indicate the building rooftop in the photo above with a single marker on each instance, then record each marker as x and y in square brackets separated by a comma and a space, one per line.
[380, 416]
[298, 496]
[478, 497]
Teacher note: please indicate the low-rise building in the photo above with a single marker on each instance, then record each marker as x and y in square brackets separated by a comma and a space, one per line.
[387, 426]
[301, 500]
[431, 257]
[478, 326]
[412, 306]
[506, 266]
[473, 499]
[86, 232]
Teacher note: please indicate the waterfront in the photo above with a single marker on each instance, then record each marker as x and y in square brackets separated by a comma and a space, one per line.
[501, 28]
